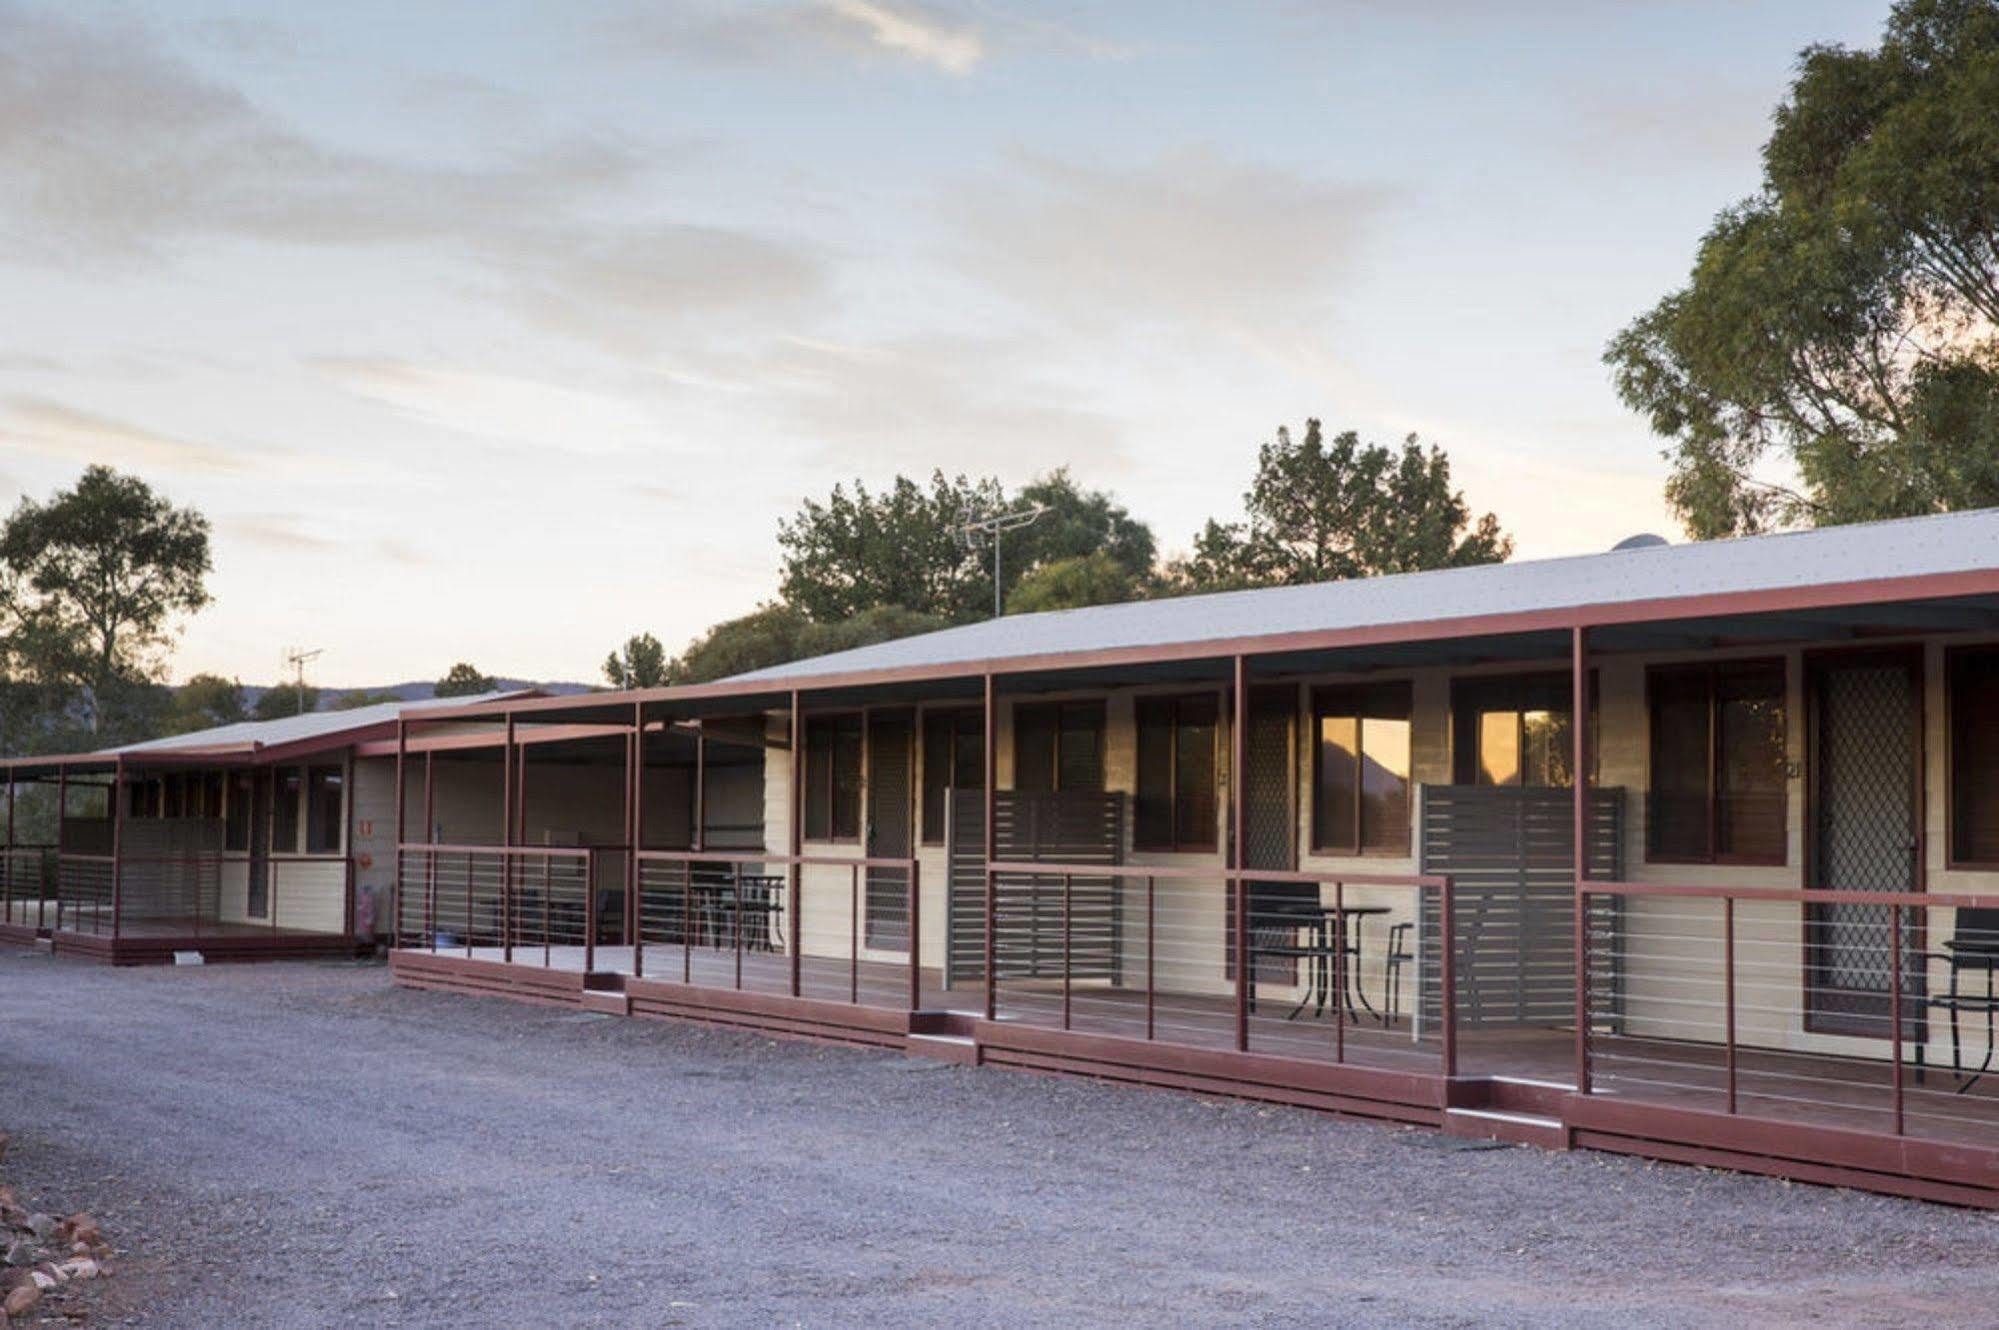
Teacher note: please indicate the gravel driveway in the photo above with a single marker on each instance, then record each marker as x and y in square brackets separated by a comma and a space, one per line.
[305, 1145]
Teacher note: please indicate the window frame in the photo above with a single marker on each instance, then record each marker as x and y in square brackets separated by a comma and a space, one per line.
[1173, 702]
[279, 775]
[308, 812]
[834, 724]
[1953, 663]
[1713, 672]
[1362, 702]
[1522, 693]
[1056, 708]
[951, 721]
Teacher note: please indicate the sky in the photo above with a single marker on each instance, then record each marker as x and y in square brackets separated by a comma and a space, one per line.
[500, 331]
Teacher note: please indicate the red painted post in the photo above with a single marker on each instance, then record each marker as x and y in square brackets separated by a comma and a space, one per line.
[1579, 733]
[7, 868]
[507, 822]
[62, 814]
[1339, 971]
[589, 917]
[1068, 902]
[736, 917]
[1149, 985]
[1895, 1007]
[1728, 987]
[430, 839]
[1447, 978]
[687, 921]
[638, 836]
[117, 850]
[854, 934]
[991, 794]
[402, 829]
[915, 934]
[1238, 719]
[794, 839]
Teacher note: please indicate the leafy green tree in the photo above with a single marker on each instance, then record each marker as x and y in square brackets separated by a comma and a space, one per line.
[904, 546]
[463, 680]
[357, 698]
[100, 571]
[1076, 524]
[768, 635]
[901, 546]
[286, 699]
[776, 634]
[1096, 578]
[640, 663]
[204, 702]
[1834, 356]
[1320, 511]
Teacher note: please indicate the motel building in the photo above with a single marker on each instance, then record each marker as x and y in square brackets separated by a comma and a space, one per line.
[1690, 852]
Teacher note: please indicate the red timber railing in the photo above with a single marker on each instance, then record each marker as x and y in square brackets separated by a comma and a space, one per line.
[1871, 1011]
[822, 927]
[518, 904]
[1346, 968]
[28, 898]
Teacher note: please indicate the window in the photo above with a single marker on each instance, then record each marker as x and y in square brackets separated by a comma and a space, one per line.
[236, 819]
[1515, 731]
[287, 787]
[1175, 805]
[833, 777]
[954, 758]
[1717, 789]
[1974, 756]
[325, 810]
[1360, 785]
[1058, 746]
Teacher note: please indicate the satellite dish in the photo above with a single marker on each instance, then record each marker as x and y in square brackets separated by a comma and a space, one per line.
[1644, 540]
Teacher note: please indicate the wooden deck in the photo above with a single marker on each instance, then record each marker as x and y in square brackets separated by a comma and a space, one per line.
[155, 941]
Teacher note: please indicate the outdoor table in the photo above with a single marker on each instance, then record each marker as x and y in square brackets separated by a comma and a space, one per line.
[1328, 929]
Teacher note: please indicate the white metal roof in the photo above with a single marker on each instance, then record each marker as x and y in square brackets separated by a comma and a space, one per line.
[329, 725]
[1909, 547]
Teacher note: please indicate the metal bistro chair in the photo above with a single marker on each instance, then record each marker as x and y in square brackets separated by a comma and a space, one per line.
[1973, 947]
[1398, 956]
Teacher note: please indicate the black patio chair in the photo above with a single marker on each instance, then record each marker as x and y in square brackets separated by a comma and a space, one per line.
[1398, 956]
[1973, 948]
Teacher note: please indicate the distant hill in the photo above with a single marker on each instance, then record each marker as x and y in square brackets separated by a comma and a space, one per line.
[416, 691]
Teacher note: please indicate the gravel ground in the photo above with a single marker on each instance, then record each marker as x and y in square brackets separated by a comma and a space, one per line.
[306, 1145]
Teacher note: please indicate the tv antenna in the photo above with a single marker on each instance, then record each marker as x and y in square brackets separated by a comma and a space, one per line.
[973, 528]
[295, 659]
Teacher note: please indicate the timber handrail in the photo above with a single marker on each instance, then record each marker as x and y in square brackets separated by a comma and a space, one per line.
[1791, 895]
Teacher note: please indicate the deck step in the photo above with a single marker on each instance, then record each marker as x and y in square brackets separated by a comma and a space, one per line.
[945, 1048]
[612, 1004]
[1493, 1124]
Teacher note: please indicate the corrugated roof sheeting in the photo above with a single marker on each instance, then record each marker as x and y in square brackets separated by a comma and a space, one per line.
[1911, 547]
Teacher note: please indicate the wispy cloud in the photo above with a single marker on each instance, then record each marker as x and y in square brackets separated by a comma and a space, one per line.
[492, 406]
[971, 404]
[114, 152]
[56, 429]
[1194, 239]
[277, 531]
[915, 33]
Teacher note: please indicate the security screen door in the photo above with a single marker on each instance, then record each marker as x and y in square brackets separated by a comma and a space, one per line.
[1866, 715]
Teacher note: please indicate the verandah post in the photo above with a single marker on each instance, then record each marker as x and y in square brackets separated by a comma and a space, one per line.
[62, 815]
[991, 793]
[1580, 782]
[7, 863]
[915, 934]
[117, 846]
[402, 820]
[794, 839]
[506, 842]
[1238, 884]
[637, 797]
